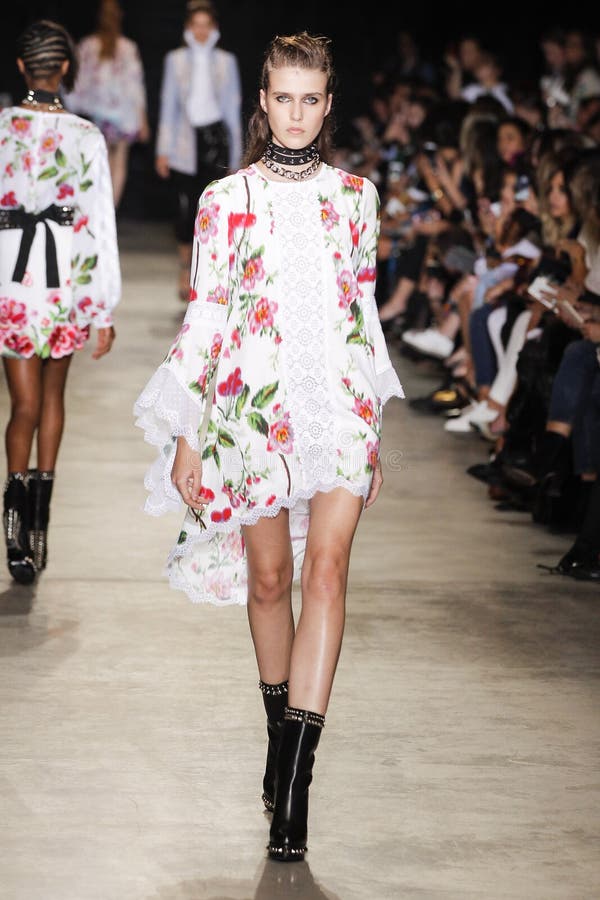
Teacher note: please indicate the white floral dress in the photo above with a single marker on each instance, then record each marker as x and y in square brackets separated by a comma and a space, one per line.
[59, 262]
[283, 317]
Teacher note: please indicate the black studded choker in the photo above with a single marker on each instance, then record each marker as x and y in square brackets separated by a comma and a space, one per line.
[285, 156]
[46, 98]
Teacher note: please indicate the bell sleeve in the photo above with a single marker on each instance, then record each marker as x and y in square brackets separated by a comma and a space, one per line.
[95, 267]
[175, 399]
[387, 381]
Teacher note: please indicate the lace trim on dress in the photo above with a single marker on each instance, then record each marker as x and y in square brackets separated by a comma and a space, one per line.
[165, 410]
[178, 579]
[388, 385]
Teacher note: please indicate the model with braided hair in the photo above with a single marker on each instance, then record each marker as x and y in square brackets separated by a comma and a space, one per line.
[282, 349]
[59, 275]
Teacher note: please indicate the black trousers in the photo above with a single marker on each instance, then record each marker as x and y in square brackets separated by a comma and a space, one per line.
[212, 162]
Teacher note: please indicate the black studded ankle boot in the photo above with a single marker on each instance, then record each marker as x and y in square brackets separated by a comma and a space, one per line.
[275, 701]
[299, 739]
[40, 493]
[18, 550]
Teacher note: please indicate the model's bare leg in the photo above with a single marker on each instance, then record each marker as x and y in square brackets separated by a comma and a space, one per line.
[24, 379]
[315, 652]
[270, 573]
[52, 419]
[118, 160]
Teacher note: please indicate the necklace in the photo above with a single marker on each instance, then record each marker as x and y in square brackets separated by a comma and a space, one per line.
[287, 156]
[287, 173]
[47, 98]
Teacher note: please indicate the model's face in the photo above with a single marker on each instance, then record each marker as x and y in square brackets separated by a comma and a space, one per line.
[558, 200]
[201, 25]
[296, 104]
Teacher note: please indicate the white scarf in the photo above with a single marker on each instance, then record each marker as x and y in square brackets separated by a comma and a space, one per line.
[202, 104]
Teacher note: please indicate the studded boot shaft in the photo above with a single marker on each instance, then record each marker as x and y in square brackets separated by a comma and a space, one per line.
[40, 494]
[299, 740]
[18, 551]
[275, 700]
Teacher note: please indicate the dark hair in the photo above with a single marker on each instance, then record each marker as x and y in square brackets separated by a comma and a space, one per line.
[200, 6]
[43, 47]
[305, 51]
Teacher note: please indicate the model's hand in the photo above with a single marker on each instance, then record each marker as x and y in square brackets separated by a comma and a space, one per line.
[104, 342]
[161, 164]
[186, 475]
[376, 483]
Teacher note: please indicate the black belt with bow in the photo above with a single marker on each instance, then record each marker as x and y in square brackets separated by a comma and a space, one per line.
[28, 222]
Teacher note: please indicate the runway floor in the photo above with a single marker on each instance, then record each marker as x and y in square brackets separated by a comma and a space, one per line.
[460, 756]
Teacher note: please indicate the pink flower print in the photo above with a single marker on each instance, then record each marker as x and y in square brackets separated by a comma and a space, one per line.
[254, 271]
[364, 409]
[206, 494]
[235, 338]
[352, 182]
[281, 434]
[206, 222]
[270, 500]
[54, 298]
[238, 220]
[347, 287]
[221, 515]
[262, 315]
[347, 383]
[27, 280]
[20, 125]
[233, 546]
[193, 295]
[63, 340]
[216, 346]
[233, 498]
[233, 384]
[84, 303]
[19, 343]
[27, 161]
[329, 217]
[218, 295]
[9, 199]
[13, 315]
[366, 274]
[201, 380]
[8, 170]
[372, 454]
[65, 190]
[354, 233]
[219, 586]
[50, 141]
[80, 223]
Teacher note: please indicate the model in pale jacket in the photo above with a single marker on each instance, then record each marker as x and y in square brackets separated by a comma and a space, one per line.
[200, 129]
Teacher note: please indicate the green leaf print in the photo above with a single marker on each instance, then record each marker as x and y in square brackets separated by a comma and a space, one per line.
[225, 439]
[241, 401]
[61, 159]
[83, 279]
[355, 337]
[357, 313]
[50, 172]
[65, 176]
[263, 397]
[195, 387]
[84, 165]
[209, 451]
[85, 185]
[258, 423]
[89, 263]
[182, 537]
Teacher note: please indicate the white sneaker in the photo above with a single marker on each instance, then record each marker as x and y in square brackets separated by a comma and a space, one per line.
[431, 342]
[463, 424]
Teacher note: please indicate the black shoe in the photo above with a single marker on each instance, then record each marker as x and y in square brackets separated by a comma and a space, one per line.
[275, 701]
[573, 560]
[18, 550]
[289, 828]
[40, 493]
[586, 573]
[489, 472]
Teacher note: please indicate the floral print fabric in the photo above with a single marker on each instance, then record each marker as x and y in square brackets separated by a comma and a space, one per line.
[282, 324]
[56, 159]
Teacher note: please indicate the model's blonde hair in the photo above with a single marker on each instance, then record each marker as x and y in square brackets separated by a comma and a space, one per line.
[305, 51]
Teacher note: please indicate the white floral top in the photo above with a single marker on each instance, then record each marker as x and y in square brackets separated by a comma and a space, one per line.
[283, 317]
[50, 162]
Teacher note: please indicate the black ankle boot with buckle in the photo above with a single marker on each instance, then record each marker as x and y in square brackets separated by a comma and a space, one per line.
[40, 486]
[289, 829]
[275, 701]
[18, 550]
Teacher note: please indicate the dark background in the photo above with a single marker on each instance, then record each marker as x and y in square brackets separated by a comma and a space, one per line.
[363, 36]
